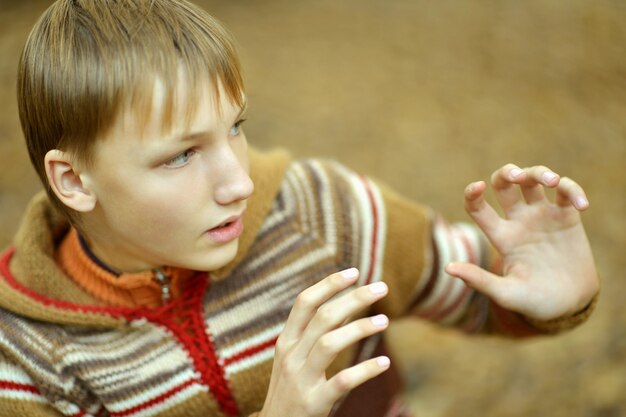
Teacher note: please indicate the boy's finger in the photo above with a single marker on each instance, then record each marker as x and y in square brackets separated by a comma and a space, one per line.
[483, 214]
[532, 186]
[309, 300]
[568, 192]
[335, 313]
[329, 345]
[501, 290]
[504, 182]
[354, 376]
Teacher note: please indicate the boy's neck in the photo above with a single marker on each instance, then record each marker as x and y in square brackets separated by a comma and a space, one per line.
[85, 247]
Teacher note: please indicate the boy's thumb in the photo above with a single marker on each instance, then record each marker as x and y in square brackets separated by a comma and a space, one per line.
[476, 277]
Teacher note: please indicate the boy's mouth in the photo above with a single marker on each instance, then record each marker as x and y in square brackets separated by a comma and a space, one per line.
[228, 230]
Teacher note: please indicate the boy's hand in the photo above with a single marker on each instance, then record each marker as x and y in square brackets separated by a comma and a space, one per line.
[316, 331]
[548, 269]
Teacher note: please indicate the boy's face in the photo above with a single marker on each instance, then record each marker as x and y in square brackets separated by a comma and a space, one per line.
[170, 198]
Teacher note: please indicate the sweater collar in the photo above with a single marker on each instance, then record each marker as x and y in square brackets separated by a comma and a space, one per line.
[150, 288]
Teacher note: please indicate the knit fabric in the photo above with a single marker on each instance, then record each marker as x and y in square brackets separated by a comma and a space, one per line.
[129, 290]
[78, 340]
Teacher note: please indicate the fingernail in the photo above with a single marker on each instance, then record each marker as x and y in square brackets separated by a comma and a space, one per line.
[378, 287]
[581, 203]
[349, 273]
[515, 172]
[383, 362]
[548, 177]
[380, 320]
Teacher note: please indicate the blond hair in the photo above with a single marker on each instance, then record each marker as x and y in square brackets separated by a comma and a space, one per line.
[87, 60]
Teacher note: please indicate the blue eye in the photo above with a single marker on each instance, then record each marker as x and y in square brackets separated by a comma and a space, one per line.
[236, 129]
[180, 159]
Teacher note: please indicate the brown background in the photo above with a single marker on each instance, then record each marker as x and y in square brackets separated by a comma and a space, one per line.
[427, 96]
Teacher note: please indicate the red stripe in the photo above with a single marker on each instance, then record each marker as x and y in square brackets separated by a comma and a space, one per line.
[253, 350]
[465, 294]
[370, 194]
[155, 401]
[5, 271]
[432, 312]
[15, 386]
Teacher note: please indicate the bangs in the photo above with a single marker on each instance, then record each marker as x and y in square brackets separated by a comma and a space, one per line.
[197, 52]
[89, 60]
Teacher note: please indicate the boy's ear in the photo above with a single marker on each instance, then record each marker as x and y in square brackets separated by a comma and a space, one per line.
[66, 182]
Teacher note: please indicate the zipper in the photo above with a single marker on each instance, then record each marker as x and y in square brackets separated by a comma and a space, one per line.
[164, 281]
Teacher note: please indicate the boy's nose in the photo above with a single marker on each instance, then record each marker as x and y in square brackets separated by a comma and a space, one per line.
[235, 184]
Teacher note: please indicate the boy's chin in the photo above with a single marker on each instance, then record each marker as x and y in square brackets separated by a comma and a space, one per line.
[214, 260]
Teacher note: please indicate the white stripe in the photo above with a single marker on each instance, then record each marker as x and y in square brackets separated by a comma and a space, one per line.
[12, 373]
[67, 408]
[381, 232]
[22, 395]
[457, 312]
[141, 397]
[48, 376]
[302, 187]
[272, 253]
[255, 340]
[476, 240]
[462, 255]
[328, 209]
[249, 362]
[170, 402]
[162, 360]
[451, 247]
[128, 343]
[35, 339]
[440, 236]
[365, 214]
[16, 375]
[455, 237]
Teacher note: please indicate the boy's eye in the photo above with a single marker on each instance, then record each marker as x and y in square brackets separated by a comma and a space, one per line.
[180, 159]
[236, 129]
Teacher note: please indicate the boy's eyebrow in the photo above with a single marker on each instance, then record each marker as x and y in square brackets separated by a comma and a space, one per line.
[193, 135]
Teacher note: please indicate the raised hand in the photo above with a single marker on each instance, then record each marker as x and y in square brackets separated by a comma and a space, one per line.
[317, 329]
[548, 269]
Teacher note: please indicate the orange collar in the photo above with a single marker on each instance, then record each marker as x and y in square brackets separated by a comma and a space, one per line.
[140, 289]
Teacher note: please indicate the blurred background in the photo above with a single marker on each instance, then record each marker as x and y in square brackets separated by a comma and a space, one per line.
[428, 96]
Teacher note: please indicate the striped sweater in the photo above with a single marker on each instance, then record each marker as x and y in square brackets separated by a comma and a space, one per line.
[76, 340]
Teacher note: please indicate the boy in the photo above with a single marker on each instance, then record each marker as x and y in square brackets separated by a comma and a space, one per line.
[171, 271]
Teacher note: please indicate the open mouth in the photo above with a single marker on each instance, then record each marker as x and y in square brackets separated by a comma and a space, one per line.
[227, 231]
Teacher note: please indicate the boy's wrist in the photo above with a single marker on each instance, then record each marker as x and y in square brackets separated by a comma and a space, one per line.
[564, 323]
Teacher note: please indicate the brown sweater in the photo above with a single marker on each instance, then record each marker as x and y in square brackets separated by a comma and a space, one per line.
[79, 340]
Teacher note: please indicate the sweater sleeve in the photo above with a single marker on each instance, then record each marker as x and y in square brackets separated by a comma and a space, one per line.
[418, 244]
